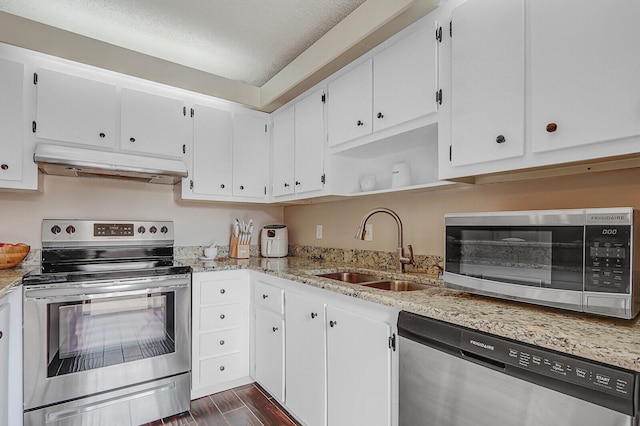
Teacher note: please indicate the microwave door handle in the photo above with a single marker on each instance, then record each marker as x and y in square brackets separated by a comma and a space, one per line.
[503, 278]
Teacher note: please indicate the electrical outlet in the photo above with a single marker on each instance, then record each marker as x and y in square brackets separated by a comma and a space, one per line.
[318, 232]
[368, 232]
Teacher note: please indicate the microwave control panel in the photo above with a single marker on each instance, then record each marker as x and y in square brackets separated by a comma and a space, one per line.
[607, 258]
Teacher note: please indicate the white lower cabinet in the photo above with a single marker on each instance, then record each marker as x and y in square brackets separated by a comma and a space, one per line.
[220, 331]
[269, 337]
[359, 369]
[269, 348]
[4, 363]
[340, 364]
[306, 366]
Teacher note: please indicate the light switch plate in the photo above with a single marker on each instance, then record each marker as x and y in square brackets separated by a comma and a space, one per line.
[318, 232]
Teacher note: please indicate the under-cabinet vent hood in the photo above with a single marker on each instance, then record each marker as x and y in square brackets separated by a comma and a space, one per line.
[81, 162]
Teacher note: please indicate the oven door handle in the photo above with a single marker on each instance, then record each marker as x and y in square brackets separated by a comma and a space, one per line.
[86, 289]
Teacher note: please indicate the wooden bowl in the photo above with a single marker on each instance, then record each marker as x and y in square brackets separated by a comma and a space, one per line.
[12, 255]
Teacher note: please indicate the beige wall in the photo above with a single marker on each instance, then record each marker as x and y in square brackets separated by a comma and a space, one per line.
[422, 213]
[196, 223]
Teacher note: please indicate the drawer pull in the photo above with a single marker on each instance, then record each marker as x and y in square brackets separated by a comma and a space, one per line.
[222, 291]
[221, 342]
[264, 296]
[222, 368]
[313, 315]
[221, 316]
[275, 329]
[333, 323]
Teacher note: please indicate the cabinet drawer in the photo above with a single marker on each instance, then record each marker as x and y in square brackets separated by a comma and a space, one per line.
[219, 292]
[225, 316]
[269, 297]
[221, 368]
[220, 342]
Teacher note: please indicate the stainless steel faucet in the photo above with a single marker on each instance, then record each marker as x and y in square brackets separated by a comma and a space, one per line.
[401, 260]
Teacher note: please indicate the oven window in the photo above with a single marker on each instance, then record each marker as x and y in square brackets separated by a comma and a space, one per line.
[550, 257]
[92, 334]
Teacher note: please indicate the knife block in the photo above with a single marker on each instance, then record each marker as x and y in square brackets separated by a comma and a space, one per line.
[237, 250]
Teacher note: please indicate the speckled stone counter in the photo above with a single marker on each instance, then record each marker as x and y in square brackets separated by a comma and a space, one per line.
[9, 278]
[610, 341]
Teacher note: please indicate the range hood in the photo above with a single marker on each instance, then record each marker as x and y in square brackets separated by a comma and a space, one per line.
[82, 162]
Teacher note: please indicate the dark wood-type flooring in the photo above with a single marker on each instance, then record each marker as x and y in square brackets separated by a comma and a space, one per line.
[247, 405]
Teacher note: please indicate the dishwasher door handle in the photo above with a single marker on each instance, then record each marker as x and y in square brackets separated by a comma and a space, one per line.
[483, 360]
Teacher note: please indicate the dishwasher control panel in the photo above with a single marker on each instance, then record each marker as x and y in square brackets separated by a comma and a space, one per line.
[583, 373]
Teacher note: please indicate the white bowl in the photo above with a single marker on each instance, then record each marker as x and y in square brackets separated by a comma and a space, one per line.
[210, 253]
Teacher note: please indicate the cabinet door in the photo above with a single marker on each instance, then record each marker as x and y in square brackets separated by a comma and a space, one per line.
[152, 124]
[74, 109]
[4, 363]
[584, 72]
[487, 81]
[405, 78]
[350, 103]
[282, 155]
[305, 354]
[212, 142]
[250, 156]
[358, 369]
[11, 120]
[269, 352]
[309, 138]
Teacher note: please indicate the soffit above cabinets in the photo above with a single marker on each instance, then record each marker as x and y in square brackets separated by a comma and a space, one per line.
[260, 53]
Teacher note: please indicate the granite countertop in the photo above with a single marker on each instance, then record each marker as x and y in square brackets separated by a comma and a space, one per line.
[608, 340]
[9, 278]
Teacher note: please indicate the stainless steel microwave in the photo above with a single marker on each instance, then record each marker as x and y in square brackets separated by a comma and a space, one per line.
[581, 259]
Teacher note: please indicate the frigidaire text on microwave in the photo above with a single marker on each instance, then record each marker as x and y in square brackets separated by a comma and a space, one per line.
[579, 259]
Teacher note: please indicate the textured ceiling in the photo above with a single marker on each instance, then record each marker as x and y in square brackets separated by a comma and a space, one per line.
[243, 40]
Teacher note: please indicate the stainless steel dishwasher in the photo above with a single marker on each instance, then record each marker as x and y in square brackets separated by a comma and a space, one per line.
[453, 376]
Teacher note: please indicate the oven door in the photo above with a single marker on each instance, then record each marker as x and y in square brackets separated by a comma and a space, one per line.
[85, 338]
[537, 259]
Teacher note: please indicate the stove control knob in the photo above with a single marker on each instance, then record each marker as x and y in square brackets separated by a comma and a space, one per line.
[153, 229]
[55, 229]
[70, 229]
[164, 229]
[141, 230]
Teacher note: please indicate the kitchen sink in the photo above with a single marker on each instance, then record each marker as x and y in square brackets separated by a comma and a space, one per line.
[395, 285]
[373, 281]
[351, 277]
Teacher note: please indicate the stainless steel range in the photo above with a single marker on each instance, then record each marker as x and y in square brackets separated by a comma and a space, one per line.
[106, 325]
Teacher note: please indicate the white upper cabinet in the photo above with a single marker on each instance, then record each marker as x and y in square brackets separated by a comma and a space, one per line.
[405, 78]
[298, 141]
[396, 86]
[488, 81]
[152, 124]
[585, 69]
[282, 152]
[11, 120]
[250, 155]
[75, 109]
[212, 145]
[350, 109]
[309, 142]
